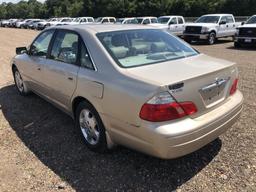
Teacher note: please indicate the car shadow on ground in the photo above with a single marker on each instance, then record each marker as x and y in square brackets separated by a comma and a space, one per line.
[50, 135]
[219, 41]
[243, 48]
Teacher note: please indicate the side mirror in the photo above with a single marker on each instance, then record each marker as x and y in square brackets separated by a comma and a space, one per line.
[21, 50]
[243, 23]
[223, 22]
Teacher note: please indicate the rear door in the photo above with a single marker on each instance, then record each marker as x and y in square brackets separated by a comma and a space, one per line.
[181, 26]
[231, 26]
[60, 70]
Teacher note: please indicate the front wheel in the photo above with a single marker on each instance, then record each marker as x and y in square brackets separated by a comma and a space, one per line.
[211, 38]
[88, 121]
[19, 83]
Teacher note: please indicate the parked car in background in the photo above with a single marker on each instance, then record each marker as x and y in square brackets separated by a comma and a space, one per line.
[5, 23]
[246, 33]
[43, 24]
[169, 99]
[128, 20]
[210, 28]
[12, 22]
[82, 20]
[28, 23]
[100, 20]
[146, 20]
[173, 24]
[20, 22]
[33, 23]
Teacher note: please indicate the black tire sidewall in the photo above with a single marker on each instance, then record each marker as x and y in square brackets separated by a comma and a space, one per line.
[101, 146]
[23, 93]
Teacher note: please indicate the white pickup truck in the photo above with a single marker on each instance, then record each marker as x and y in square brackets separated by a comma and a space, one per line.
[211, 27]
[246, 33]
[172, 24]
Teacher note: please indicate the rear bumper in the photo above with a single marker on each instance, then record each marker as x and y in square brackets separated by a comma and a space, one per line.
[183, 137]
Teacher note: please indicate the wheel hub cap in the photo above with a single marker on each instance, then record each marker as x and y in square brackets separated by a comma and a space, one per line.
[89, 126]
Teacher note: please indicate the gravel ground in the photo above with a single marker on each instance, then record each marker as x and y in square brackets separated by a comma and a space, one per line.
[41, 151]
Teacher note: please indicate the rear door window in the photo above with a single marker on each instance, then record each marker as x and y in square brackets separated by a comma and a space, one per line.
[65, 47]
[180, 20]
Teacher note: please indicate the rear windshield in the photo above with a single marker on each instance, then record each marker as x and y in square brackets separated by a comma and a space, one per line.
[133, 48]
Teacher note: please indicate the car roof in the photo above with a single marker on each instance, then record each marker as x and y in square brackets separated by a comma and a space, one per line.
[218, 15]
[96, 28]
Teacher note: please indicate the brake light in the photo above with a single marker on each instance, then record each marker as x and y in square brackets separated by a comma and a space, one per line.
[234, 87]
[163, 107]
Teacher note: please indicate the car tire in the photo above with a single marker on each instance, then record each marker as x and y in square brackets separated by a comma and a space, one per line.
[19, 83]
[237, 45]
[188, 40]
[211, 38]
[91, 127]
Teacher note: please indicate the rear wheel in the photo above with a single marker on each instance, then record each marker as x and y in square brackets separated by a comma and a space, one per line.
[88, 121]
[19, 83]
[211, 38]
[237, 45]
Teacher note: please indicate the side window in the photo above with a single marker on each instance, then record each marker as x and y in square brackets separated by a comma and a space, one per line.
[105, 21]
[90, 20]
[111, 20]
[153, 20]
[85, 59]
[41, 44]
[180, 20]
[230, 19]
[146, 21]
[65, 47]
[173, 21]
[223, 19]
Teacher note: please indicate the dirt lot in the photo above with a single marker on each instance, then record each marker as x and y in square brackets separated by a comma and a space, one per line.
[40, 151]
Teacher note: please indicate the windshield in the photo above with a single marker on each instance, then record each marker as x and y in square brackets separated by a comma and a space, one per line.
[76, 20]
[66, 20]
[120, 20]
[252, 20]
[163, 20]
[135, 48]
[208, 19]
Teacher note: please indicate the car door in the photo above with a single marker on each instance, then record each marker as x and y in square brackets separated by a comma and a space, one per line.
[61, 67]
[173, 27]
[181, 26]
[36, 58]
[223, 27]
[231, 26]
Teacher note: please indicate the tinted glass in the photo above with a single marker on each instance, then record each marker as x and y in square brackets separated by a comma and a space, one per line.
[153, 20]
[65, 47]
[142, 47]
[208, 19]
[146, 21]
[230, 19]
[252, 20]
[41, 44]
[163, 20]
[173, 21]
[180, 20]
[111, 20]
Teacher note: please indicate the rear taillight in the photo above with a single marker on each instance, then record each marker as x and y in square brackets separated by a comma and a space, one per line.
[234, 87]
[163, 107]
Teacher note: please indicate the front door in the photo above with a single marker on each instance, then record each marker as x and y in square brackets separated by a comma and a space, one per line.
[36, 58]
[61, 68]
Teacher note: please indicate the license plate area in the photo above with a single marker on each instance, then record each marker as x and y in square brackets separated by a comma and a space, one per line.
[214, 93]
[247, 40]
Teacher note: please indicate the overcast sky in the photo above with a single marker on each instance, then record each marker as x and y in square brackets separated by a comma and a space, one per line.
[15, 1]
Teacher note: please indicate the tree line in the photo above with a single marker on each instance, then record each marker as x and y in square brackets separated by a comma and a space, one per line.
[124, 8]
